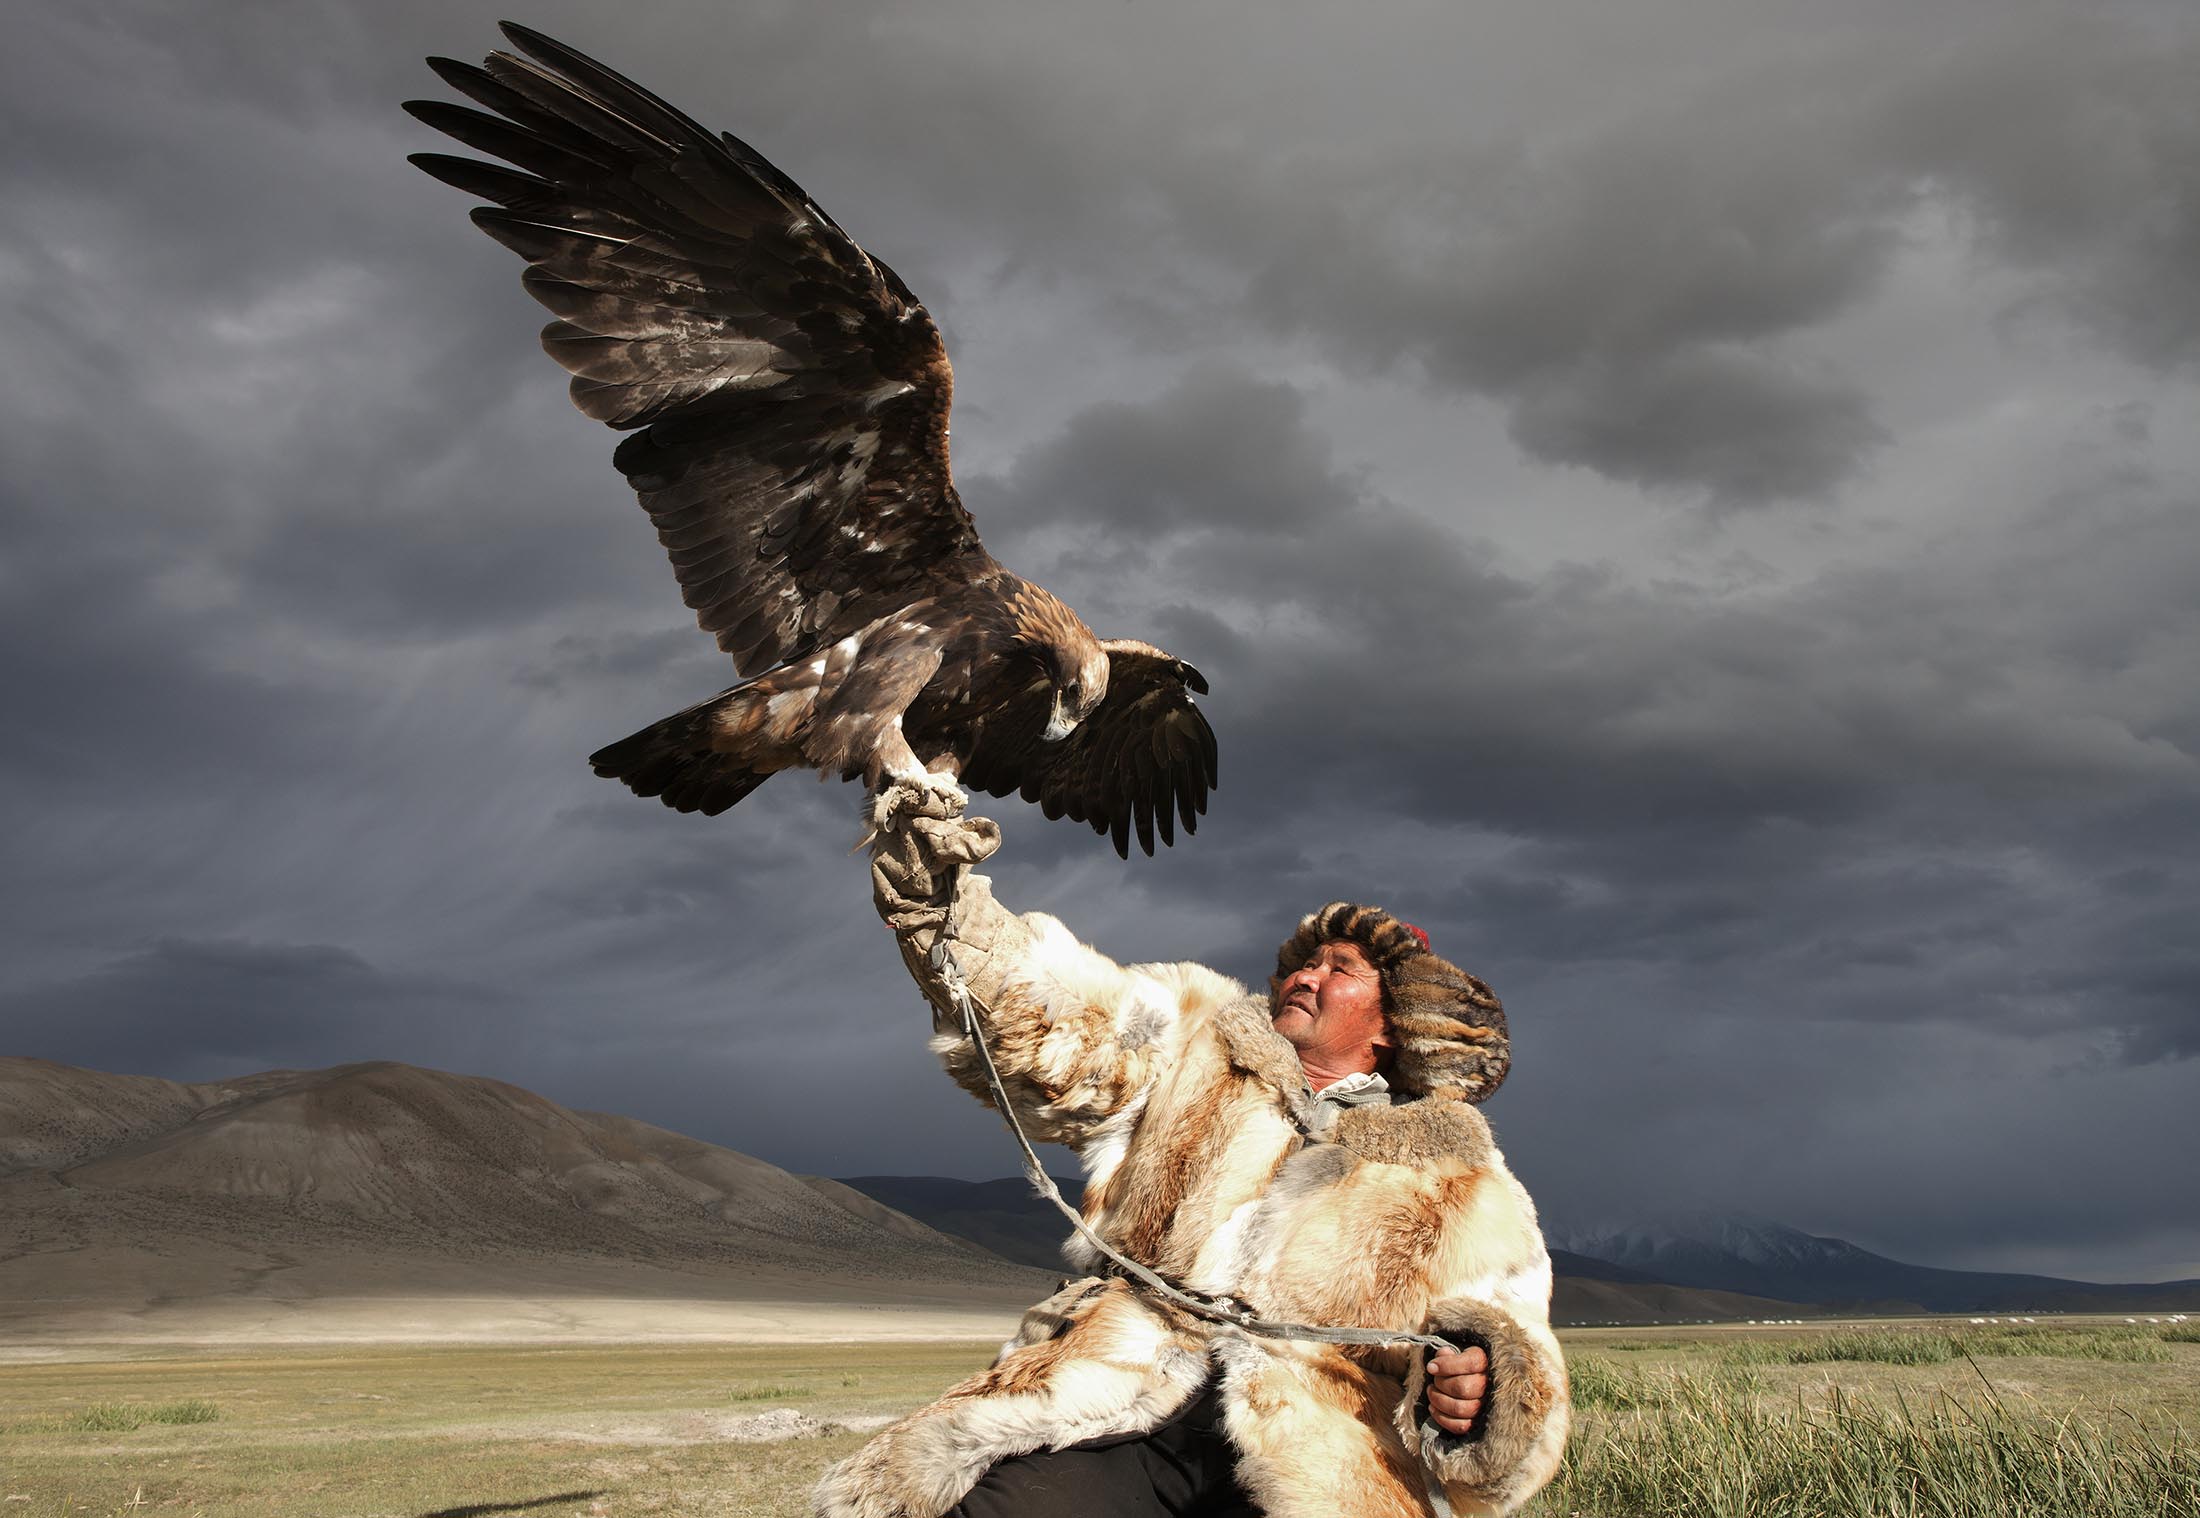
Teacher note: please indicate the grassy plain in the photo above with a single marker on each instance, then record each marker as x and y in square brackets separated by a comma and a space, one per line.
[453, 1431]
[1753, 1422]
[2067, 1419]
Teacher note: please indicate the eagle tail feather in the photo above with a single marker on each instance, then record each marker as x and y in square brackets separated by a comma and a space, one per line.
[675, 761]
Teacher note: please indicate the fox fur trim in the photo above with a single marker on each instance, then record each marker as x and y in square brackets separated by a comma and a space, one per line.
[1093, 1361]
[1449, 1026]
[1516, 1444]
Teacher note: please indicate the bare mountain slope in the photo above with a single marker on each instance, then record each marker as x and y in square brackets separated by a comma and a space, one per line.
[54, 1116]
[387, 1178]
[1584, 1300]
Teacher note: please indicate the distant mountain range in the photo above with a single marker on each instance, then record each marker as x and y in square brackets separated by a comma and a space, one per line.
[1687, 1268]
[124, 1196]
[1763, 1258]
[1006, 1217]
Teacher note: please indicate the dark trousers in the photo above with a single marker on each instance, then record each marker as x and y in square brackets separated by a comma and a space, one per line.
[1182, 1470]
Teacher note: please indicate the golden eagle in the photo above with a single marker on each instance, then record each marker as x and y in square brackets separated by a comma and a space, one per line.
[788, 401]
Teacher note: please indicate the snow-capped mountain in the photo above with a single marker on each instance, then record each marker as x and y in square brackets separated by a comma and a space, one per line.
[1705, 1241]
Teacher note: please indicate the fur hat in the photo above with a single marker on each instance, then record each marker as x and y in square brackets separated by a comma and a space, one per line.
[1449, 1027]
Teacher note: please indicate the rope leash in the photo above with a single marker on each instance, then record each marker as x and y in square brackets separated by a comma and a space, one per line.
[1199, 1304]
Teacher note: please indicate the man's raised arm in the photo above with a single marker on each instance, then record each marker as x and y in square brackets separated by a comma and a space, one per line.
[1077, 1037]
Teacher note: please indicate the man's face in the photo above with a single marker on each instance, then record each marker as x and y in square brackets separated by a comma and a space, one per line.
[1331, 1008]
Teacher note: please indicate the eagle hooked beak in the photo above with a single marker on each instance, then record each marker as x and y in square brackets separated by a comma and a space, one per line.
[1076, 696]
[1061, 721]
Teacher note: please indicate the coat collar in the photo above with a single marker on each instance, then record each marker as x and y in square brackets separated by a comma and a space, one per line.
[1411, 1132]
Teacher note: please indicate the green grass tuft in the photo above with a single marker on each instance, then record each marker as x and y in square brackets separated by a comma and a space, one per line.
[2122, 1345]
[1601, 1384]
[121, 1417]
[1863, 1346]
[1927, 1347]
[1876, 1349]
[1714, 1452]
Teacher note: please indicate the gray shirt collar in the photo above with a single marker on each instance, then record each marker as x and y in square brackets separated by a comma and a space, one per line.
[1365, 1089]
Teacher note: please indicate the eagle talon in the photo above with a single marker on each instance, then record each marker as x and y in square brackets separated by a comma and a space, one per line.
[901, 799]
[929, 793]
[944, 792]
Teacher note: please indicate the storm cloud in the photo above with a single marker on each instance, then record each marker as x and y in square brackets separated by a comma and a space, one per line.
[1696, 504]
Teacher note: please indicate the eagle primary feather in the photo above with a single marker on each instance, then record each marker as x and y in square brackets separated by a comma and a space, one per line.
[787, 399]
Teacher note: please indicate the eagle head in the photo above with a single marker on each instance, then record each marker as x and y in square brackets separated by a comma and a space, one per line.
[1069, 657]
[1080, 685]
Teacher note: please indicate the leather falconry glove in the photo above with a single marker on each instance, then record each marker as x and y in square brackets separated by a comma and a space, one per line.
[920, 837]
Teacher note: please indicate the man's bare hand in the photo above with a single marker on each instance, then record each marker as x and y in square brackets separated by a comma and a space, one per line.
[1458, 1384]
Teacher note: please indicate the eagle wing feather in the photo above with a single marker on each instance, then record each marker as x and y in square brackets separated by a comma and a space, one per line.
[1143, 761]
[787, 395]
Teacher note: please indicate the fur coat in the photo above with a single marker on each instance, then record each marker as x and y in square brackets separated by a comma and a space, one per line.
[1207, 1159]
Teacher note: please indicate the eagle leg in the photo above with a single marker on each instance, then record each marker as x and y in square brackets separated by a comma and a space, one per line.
[893, 771]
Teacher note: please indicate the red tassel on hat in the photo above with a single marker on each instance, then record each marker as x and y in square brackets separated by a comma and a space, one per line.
[1417, 933]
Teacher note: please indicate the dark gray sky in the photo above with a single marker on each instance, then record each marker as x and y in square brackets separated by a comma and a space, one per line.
[1696, 503]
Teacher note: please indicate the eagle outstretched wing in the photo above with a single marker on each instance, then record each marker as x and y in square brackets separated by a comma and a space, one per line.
[788, 399]
[791, 394]
[1144, 758]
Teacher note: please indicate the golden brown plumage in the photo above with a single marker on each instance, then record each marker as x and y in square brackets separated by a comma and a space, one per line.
[788, 401]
